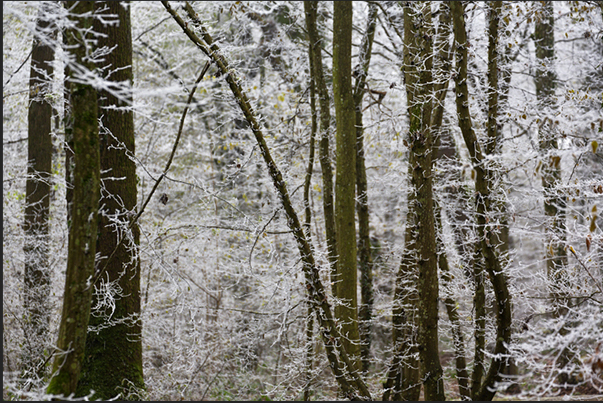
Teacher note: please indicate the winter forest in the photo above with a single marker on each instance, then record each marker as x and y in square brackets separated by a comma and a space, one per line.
[302, 200]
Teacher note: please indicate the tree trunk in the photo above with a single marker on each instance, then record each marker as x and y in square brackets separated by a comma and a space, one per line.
[113, 359]
[365, 263]
[404, 378]
[485, 211]
[554, 201]
[346, 310]
[351, 384]
[83, 231]
[316, 70]
[37, 198]
[418, 61]
[307, 225]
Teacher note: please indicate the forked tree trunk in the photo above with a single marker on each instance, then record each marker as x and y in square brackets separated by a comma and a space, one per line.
[486, 210]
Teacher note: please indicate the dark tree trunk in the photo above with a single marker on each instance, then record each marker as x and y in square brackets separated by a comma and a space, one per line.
[113, 360]
[418, 61]
[37, 198]
[84, 223]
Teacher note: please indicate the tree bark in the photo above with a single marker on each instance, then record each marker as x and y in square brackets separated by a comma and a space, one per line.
[307, 225]
[485, 211]
[418, 62]
[83, 231]
[316, 70]
[365, 261]
[37, 199]
[346, 310]
[113, 360]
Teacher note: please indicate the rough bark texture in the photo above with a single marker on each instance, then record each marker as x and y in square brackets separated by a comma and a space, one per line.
[403, 377]
[113, 359]
[317, 73]
[346, 310]
[37, 198]
[418, 31]
[487, 232]
[365, 263]
[554, 201]
[83, 231]
[351, 384]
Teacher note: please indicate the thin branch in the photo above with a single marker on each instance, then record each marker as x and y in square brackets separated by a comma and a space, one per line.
[167, 167]
[585, 268]
[19, 68]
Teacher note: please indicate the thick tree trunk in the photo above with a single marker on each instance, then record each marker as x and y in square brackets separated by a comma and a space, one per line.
[365, 263]
[37, 198]
[113, 359]
[317, 73]
[346, 310]
[83, 231]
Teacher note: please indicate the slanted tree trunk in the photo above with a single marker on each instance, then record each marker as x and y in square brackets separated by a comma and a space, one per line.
[310, 8]
[83, 231]
[36, 287]
[351, 384]
[486, 211]
[554, 201]
[113, 360]
[365, 261]
[346, 310]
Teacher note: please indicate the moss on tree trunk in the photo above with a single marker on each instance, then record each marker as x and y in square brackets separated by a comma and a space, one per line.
[83, 231]
[346, 310]
[113, 359]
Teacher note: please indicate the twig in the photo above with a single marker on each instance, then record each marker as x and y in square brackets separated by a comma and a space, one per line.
[19, 68]
[585, 268]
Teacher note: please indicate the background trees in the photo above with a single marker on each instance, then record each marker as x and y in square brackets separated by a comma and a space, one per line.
[224, 281]
[37, 198]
